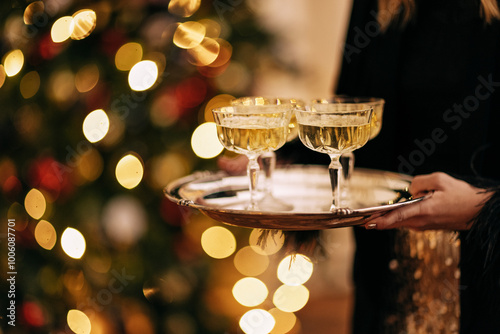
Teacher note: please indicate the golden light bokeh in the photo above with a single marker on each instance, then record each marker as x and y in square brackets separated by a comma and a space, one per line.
[32, 10]
[61, 29]
[290, 298]
[189, 34]
[96, 125]
[128, 55]
[183, 8]
[295, 269]
[285, 321]
[30, 83]
[78, 322]
[218, 242]
[250, 291]
[87, 78]
[90, 165]
[204, 141]
[35, 203]
[212, 28]
[250, 263]
[166, 168]
[83, 23]
[45, 234]
[3, 75]
[257, 321]
[129, 171]
[73, 243]
[143, 75]
[225, 53]
[221, 100]
[271, 243]
[13, 62]
[204, 53]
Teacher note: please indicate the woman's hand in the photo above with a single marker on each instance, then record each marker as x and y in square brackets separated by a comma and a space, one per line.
[452, 205]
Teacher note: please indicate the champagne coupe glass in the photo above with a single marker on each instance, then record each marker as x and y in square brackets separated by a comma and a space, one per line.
[268, 159]
[335, 129]
[252, 130]
[347, 159]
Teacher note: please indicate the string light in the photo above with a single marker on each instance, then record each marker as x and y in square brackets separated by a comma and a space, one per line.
[35, 203]
[250, 291]
[143, 75]
[204, 141]
[78, 322]
[218, 242]
[96, 125]
[129, 171]
[257, 321]
[13, 62]
[73, 243]
[295, 270]
[45, 234]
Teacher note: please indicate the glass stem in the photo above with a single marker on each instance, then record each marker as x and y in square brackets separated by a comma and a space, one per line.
[253, 169]
[335, 169]
[268, 160]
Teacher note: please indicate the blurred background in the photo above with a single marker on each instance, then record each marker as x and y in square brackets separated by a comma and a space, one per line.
[103, 103]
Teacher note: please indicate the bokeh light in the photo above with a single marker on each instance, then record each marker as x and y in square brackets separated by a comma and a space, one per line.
[13, 62]
[61, 29]
[78, 322]
[30, 83]
[250, 263]
[218, 242]
[285, 321]
[189, 34]
[62, 88]
[73, 243]
[250, 291]
[129, 171]
[257, 321]
[204, 53]
[124, 221]
[87, 78]
[295, 269]
[291, 298]
[221, 100]
[34, 314]
[35, 203]
[32, 12]
[143, 75]
[45, 234]
[3, 75]
[270, 243]
[128, 55]
[96, 125]
[183, 8]
[212, 28]
[204, 142]
[83, 23]
[90, 165]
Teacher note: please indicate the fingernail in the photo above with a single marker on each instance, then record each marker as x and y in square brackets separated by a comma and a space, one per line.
[371, 226]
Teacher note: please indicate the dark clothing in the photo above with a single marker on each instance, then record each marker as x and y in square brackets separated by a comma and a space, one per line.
[440, 78]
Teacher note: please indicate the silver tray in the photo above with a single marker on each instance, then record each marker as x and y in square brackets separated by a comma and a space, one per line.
[305, 187]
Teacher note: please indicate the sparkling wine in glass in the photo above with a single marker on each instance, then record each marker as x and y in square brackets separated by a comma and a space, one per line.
[335, 129]
[268, 159]
[347, 159]
[252, 130]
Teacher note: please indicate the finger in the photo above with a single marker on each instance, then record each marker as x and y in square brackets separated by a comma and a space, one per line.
[395, 218]
[427, 182]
